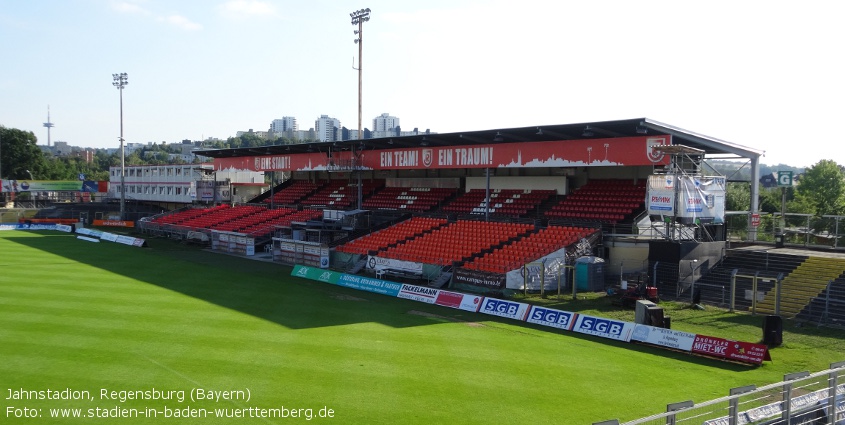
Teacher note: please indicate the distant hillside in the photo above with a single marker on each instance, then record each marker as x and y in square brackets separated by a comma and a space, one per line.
[741, 170]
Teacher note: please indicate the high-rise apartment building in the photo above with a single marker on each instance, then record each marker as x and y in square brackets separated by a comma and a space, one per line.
[385, 122]
[280, 126]
[328, 129]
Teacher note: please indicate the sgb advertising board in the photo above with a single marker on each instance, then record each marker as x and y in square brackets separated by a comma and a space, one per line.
[603, 327]
[504, 308]
[551, 317]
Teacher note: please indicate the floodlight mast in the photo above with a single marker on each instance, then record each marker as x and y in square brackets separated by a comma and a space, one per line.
[120, 81]
[358, 18]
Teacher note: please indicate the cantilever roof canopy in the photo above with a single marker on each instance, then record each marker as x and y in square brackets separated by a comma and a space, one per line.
[541, 133]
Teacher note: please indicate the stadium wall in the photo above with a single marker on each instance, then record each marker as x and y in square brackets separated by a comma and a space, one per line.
[627, 257]
[625, 172]
[558, 183]
[423, 182]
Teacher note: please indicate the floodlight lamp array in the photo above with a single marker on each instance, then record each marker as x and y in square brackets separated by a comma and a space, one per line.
[359, 16]
[120, 80]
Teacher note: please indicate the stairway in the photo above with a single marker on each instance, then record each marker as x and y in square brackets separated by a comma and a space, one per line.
[441, 280]
[803, 284]
[358, 266]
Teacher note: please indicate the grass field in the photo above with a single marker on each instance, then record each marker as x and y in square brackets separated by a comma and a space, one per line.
[103, 316]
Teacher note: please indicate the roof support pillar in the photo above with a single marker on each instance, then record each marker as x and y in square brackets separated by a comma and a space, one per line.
[755, 195]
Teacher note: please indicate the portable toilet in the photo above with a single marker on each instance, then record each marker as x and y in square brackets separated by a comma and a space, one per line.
[589, 274]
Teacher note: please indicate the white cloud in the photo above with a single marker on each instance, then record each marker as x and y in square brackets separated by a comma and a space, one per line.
[181, 22]
[129, 7]
[247, 8]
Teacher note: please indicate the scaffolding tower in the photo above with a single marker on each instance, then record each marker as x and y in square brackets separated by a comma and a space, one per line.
[684, 204]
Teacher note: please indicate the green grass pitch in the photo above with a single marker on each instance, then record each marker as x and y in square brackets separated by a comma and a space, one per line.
[95, 317]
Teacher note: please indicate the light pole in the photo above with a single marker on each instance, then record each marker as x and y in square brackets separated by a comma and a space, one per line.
[358, 18]
[3, 194]
[120, 81]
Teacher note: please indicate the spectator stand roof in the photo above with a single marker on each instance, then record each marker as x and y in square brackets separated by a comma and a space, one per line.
[540, 133]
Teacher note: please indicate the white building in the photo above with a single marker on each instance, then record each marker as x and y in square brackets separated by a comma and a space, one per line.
[179, 183]
[280, 126]
[385, 122]
[328, 129]
[288, 128]
[259, 134]
[132, 146]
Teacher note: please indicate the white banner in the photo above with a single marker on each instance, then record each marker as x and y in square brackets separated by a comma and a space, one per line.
[380, 263]
[126, 240]
[90, 232]
[106, 236]
[418, 293]
[468, 302]
[688, 197]
[660, 198]
[324, 257]
[663, 337]
[287, 246]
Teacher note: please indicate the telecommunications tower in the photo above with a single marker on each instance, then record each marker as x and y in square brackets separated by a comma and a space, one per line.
[49, 125]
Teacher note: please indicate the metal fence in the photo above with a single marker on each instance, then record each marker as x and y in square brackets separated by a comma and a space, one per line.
[801, 398]
[795, 229]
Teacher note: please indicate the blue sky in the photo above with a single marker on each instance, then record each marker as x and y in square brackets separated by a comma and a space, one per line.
[764, 74]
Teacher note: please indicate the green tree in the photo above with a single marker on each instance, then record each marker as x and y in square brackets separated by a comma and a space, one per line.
[822, 188]
[250, 140]
[738, 197]
[771, 199]
[56, 169]
[103, 160]
[133, 158]
[20, 155]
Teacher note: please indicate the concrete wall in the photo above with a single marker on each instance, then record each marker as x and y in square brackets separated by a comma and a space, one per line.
[557, 183]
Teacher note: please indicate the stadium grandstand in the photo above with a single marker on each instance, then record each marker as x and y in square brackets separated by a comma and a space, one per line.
[474, 210]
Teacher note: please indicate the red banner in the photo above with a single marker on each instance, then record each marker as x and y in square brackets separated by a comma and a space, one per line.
[622, 151]
[745, 352]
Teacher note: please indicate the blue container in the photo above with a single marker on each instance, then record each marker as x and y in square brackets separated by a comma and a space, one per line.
[589, 274]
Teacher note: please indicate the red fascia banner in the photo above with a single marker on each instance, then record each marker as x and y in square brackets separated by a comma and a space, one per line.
[622, 151]
[745, 352]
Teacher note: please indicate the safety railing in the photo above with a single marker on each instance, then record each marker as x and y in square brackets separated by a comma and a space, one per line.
[801, 398]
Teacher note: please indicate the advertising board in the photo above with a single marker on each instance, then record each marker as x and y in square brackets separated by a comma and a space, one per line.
[603, 327]
[504, 308]
[663, 337]
[745, 352]
[551, 317]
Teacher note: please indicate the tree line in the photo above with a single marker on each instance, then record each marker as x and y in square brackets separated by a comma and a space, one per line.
[22, 159]
[820, 191]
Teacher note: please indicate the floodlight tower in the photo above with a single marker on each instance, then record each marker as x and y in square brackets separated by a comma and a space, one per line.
[358, 18]
[120, 81]
[49, 125]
